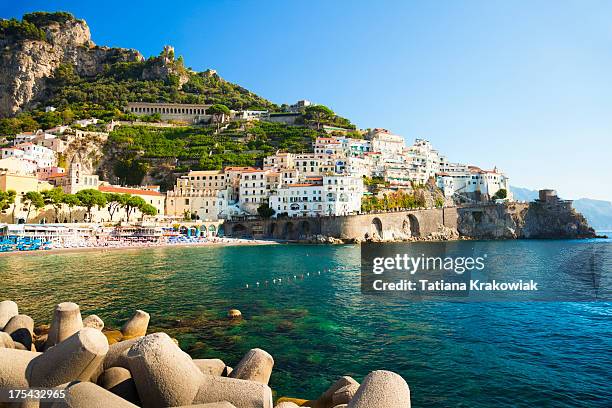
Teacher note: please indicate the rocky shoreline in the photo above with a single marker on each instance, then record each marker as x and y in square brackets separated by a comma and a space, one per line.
[93, 366]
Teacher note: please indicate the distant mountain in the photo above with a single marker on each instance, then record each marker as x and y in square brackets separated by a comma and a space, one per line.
[523, 194]
[597, 212]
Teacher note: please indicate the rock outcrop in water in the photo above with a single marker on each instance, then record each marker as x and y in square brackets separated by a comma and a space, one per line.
[115, 369]
[539, 219]
[26, 64]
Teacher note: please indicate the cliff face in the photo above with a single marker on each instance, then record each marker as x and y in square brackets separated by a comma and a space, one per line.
[533, 220]
[26, 65]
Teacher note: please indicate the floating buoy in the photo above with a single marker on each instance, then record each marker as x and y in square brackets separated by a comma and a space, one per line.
[234, 314]
[247, 285]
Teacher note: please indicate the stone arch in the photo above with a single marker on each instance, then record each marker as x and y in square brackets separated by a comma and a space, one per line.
[415, 228]
[376, 228]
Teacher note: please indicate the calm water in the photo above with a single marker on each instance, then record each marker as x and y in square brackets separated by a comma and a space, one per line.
[321, 327]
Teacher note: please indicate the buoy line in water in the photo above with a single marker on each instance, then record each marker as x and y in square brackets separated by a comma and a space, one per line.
[292, 278]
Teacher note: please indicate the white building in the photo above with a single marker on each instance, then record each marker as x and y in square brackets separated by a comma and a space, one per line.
[385, 142]
[42, 156]
[474, 184]
[332, 195]
[254, 189]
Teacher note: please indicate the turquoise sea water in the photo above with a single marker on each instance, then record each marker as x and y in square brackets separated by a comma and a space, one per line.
[319, 327]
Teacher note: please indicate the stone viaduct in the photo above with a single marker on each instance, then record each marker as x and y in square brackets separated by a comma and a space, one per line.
[384, 225]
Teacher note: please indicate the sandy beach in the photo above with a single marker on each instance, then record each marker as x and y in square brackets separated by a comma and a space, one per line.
[220, 242]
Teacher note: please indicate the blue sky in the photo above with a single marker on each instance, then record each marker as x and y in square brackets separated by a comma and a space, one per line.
[525, 86]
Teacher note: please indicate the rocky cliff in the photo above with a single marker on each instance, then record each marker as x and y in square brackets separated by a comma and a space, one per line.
[514, 220]
[27, 64]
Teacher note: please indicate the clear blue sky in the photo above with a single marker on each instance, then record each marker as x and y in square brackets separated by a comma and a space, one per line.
[523, 85]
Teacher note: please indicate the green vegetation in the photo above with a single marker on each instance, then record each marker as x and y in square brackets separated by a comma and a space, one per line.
[393, 201]
[198, 148]
[320, 115]
[32, 200]
[500, 194]
[30, 26]
[265, 211]
[90, 198]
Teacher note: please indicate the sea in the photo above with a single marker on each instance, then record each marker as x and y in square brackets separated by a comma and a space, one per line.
[304, 304]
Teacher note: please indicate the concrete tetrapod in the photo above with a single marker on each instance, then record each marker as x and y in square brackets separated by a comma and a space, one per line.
[222, 404]
[66, 321]
[13, 367]
[382, 389]
[326, 400]
[8, 309]
[6, 341]
[241, 393]
[256, 365]
[21, 330]
[119, 381]
[78, 358]
[90, 395]
[94, 322]
[165, 376]
[212, 366]
[136, 326]
[117, 354]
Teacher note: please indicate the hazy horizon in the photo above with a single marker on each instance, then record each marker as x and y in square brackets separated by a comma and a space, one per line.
[524, 87]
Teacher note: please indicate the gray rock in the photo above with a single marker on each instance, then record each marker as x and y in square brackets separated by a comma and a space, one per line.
[345, 394]
[13, 367]
[382, 389]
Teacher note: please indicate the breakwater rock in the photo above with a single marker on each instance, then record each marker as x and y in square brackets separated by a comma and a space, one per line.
[130, 368]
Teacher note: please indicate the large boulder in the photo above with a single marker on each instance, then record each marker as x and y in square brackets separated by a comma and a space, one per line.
[89, 395]
[119, 381]
[21, 330]
[94, 322]
[212, 366]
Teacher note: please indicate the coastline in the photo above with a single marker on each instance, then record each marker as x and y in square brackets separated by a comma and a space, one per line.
[101, 249]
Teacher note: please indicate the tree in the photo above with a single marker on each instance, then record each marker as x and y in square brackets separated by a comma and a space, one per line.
[32, 199]
[265, 211]
[218, 112]
[90, 198]
[148, 209]
[319, 114]
[501, 194]
[115, 201]
[132, 203]
[54, 198]
[71, 200]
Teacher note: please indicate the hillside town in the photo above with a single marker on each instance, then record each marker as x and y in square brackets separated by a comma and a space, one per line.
[327, 181]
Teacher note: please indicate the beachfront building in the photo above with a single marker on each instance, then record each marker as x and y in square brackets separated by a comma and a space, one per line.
[385, 142]
[254, 189]
[13, 177]
[328, 195]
